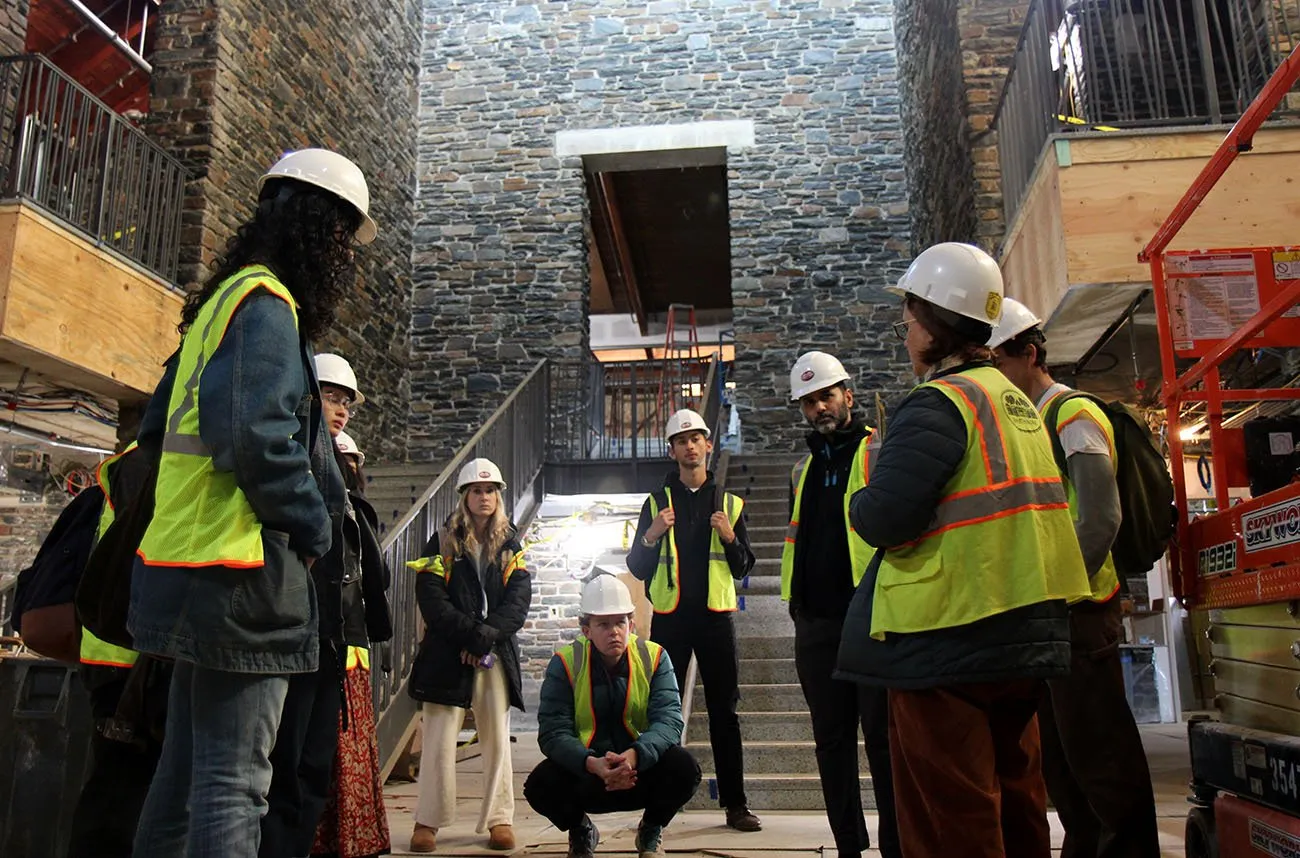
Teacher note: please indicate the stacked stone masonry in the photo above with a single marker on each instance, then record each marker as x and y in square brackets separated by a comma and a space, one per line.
[237, 84]
[990, 31]
[940, 178]
[13, 26]
[819, 209]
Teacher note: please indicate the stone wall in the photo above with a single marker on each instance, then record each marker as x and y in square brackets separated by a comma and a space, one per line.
[818, 205]
[236, 86]
[941, 182]
[990, 30]
[23, 526]
[13, 26]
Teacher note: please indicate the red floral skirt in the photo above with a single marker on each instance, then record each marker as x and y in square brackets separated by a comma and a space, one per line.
[355, 824]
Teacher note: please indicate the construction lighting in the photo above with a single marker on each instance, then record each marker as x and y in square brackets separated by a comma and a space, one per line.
[1191, 433]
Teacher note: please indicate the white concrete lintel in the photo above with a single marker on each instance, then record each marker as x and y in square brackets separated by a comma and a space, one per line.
[728, 133]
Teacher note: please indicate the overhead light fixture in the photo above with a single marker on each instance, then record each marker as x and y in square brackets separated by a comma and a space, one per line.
[1191, 433]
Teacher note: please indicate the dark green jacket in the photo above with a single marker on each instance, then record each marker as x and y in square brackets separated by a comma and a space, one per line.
[557, 734]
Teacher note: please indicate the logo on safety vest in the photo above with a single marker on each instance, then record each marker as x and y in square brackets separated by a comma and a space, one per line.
[484, 474]
[807, 375]
[1022, 413]
[993, 306]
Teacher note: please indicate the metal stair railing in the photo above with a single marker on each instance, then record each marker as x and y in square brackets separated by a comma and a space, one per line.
[514, 437]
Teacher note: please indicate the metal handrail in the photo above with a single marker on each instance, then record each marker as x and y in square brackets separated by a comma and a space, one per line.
[69, 154]
[609, 411]
[514, 437]
[1105, 65]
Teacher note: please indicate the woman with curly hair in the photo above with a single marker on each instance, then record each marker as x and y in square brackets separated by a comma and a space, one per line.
[474, 593]
[246, 488]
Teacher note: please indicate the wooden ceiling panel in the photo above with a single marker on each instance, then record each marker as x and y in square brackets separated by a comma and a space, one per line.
[664, 238]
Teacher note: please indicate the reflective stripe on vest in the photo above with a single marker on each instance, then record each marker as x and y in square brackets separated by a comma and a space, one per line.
[665, 586]
[1105, 583]
[643, 660]
[201, 517]
[94, 650]
[1002, 538]
[859, 551]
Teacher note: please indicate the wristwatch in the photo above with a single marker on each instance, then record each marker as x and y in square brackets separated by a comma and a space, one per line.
[648, 542]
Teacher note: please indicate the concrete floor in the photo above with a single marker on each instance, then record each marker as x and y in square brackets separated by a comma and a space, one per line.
[702, 832]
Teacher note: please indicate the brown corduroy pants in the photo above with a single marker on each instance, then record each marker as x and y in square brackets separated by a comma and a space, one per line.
[968, 779]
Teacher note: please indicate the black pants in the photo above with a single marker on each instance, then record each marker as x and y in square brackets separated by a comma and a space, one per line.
[1093, 760]
[303, 760]
[712, 638]
[838, 708]
[661, 790]
[109, 807]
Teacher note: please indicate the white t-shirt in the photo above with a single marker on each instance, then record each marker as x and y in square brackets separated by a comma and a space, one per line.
[1078, 436]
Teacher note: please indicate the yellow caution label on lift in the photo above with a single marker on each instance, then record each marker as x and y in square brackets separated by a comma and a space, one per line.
[1286, 264]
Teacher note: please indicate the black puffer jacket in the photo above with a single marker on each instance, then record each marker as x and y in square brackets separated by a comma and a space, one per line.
[922, 450]
[452, 610]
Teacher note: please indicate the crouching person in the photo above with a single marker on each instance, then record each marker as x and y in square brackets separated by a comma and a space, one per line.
[610, 724]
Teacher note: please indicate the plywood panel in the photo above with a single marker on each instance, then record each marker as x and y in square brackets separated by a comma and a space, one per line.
[1110, 210]
[1034, 257]
[1164, 146]
[75, 312]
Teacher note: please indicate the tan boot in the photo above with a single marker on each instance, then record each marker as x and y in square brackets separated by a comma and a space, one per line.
[425, 839]
[501, 837]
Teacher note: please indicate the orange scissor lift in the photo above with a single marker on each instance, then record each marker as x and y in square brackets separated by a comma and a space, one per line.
[1241, 563]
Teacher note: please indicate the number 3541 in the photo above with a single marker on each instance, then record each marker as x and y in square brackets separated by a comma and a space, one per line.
[1284, 777]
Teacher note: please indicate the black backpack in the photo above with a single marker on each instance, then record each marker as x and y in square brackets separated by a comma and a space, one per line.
[53, 576]
[1146, 492]
[104, 592]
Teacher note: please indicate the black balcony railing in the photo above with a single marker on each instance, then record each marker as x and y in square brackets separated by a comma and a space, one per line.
[614, 410]
[1108, 64]
[68, 153]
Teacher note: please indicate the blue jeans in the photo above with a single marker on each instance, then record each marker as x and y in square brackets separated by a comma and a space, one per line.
[208, 797]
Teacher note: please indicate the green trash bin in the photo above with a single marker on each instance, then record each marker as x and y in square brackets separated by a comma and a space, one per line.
[45, 730]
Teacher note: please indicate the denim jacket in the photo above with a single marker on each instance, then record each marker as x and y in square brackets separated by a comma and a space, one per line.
[261, 420]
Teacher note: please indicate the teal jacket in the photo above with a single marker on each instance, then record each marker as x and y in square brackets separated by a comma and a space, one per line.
[557, 734]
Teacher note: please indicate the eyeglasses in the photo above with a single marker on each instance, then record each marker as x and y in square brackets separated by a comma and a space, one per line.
[900, 328]
[338, 400]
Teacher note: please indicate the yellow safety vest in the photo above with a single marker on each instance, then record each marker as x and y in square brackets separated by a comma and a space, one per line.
[643, 660]
[859, 551]
[665, 586]
[358, 656]
[1104, 584]
[201, 517]
[1001, 538]
[441, 565]
[94, 650]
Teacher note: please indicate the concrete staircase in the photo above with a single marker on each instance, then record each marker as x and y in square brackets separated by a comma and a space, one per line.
[780, 763]
[394, 489]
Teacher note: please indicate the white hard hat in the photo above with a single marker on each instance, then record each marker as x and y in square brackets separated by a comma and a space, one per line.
[343, 441]
[815, 371]
[685, 420]
[1016, 319]
[335, 370]
[605, 596]
[958, 277]
[334, 173]
[479, 471]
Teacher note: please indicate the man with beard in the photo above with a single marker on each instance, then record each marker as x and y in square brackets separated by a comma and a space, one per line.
[246, 488]
[690, 548]
[821, 565]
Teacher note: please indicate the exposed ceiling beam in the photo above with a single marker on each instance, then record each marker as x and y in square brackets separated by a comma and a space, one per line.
[121, 44]
[606, 199]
